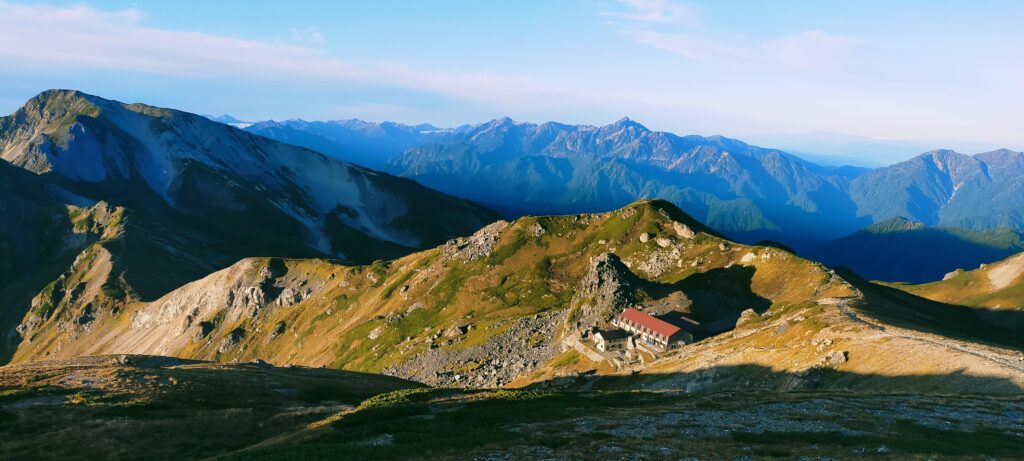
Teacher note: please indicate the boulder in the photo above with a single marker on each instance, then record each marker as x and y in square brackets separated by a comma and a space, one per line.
[746, 316]
[683, 230]
[836, 358]
[231, 340]
[457, 330]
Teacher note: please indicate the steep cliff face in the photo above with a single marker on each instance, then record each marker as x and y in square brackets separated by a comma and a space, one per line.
[43, 231]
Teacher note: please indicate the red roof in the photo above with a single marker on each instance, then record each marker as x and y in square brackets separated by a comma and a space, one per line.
[658, 326]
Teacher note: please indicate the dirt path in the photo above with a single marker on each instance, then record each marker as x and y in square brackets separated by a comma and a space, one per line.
[979, 351]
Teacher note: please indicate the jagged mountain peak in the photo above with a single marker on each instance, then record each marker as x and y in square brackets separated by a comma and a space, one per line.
[945, 160]
[626, 122]
[501, 123]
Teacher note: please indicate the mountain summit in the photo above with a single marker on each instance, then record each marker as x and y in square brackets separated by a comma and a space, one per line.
[140, 199]
[135, 154]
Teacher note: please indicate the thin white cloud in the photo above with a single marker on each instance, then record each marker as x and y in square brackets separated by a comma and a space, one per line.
[672, 27]
[80, 37]
[656, 11]
[812, 50]
[84, 37]
[687, 45]
[310, 35]
[675, 28]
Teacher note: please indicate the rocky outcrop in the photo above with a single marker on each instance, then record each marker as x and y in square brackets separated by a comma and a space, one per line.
[479, 245]
[658, 262]
[606, 289]
[70, 302]
[835, 358]
[522, 347]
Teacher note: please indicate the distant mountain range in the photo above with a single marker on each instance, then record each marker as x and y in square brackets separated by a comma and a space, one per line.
[364, 143]
[844, 149]
[521, 168]
[747, 192]
[228, 119]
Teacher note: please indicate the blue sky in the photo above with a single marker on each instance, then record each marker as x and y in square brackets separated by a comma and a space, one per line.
[927, 73]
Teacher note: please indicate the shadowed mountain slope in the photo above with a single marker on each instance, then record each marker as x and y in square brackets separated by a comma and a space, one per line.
[115, 203]
[910, 251]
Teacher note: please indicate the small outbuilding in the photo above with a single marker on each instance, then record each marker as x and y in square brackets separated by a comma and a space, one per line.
[612, 340]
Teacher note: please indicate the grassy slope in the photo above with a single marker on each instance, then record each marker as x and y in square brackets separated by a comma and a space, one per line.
[450, 424]
[976, 287]
[526, 274]
[368, 318]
